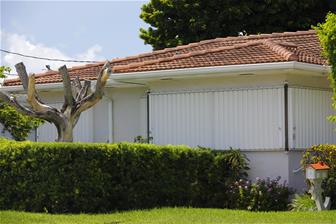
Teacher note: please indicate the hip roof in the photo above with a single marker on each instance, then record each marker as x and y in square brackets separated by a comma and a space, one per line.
[301, 46]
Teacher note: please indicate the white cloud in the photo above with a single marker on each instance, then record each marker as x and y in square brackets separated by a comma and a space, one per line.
[21, 44]
[90, 54]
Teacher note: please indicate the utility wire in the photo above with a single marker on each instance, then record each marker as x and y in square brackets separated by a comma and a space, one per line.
[48, 59]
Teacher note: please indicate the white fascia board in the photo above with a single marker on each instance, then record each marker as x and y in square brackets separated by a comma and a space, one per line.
[229, 69]
[48, 86]
[312, 67]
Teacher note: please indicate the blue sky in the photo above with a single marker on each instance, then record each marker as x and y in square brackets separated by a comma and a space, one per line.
[83, 30]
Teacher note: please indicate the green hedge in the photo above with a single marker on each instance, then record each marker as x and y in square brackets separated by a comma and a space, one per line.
[76, 177]
[324, 153]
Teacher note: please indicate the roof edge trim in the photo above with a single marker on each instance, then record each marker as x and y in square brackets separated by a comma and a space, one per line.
[203, 71]
[191, 72]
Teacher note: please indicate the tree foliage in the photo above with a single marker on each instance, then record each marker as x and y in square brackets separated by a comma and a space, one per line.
[327, 34]
[176, 22]
[17, 124]
[4, 69]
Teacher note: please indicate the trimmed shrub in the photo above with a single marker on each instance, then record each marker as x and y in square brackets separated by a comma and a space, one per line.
[327, 154]
[263, 195]
[78, 177]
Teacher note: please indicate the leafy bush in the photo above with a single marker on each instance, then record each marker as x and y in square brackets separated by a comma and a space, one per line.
[327, 154]
[17, 124]
[263, 195]
[327, 34]
[76, 177]
[303, 203]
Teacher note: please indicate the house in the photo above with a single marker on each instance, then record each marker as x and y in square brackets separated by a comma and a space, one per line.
[267, 95]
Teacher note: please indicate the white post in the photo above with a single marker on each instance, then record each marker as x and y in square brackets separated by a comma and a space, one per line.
[316, 194]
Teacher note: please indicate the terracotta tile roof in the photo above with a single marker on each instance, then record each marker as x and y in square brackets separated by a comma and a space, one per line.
[319, 166]
[301, 46]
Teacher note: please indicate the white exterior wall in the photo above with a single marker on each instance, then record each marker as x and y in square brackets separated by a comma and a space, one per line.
[296, 177]
[129, 113]
[274, 163]
[264, 164]
[238, 118]
[119, 116]
[102, 121]
[4, 133]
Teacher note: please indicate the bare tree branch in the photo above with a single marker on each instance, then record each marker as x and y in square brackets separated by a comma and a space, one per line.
[76, 87]
[94, 97]
[103, 76]
[84, 91]
[31, 97]
[11, 100]
[68, 97]
[21, 70]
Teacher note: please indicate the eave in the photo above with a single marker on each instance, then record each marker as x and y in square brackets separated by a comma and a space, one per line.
[223, 71]
[122, 80]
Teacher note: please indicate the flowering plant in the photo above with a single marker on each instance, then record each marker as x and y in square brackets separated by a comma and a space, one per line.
[262, 195]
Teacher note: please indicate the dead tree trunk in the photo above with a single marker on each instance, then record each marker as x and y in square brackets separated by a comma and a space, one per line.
[77, 98]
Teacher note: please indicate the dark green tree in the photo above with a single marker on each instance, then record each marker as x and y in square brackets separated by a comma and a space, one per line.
[327, 34]
[176, 22]
[17, 124]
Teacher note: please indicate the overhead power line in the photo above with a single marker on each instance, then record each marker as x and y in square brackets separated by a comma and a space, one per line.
[48, 59]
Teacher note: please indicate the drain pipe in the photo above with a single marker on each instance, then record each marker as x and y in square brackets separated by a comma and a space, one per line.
[148, 124]
[286, 115]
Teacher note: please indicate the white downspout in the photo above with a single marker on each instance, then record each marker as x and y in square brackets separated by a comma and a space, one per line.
[110, 120]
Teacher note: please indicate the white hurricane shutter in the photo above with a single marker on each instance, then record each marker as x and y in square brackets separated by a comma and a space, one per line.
[244, 118]
[248, 119]
[180, 118]
[309, 124]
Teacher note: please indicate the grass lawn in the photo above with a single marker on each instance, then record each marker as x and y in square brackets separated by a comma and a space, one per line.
[172, 216]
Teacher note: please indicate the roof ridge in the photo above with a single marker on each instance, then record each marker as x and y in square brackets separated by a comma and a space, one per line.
[47, 73]
[86, 66]
[186, 55]
[202, 42]
[282, 51]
